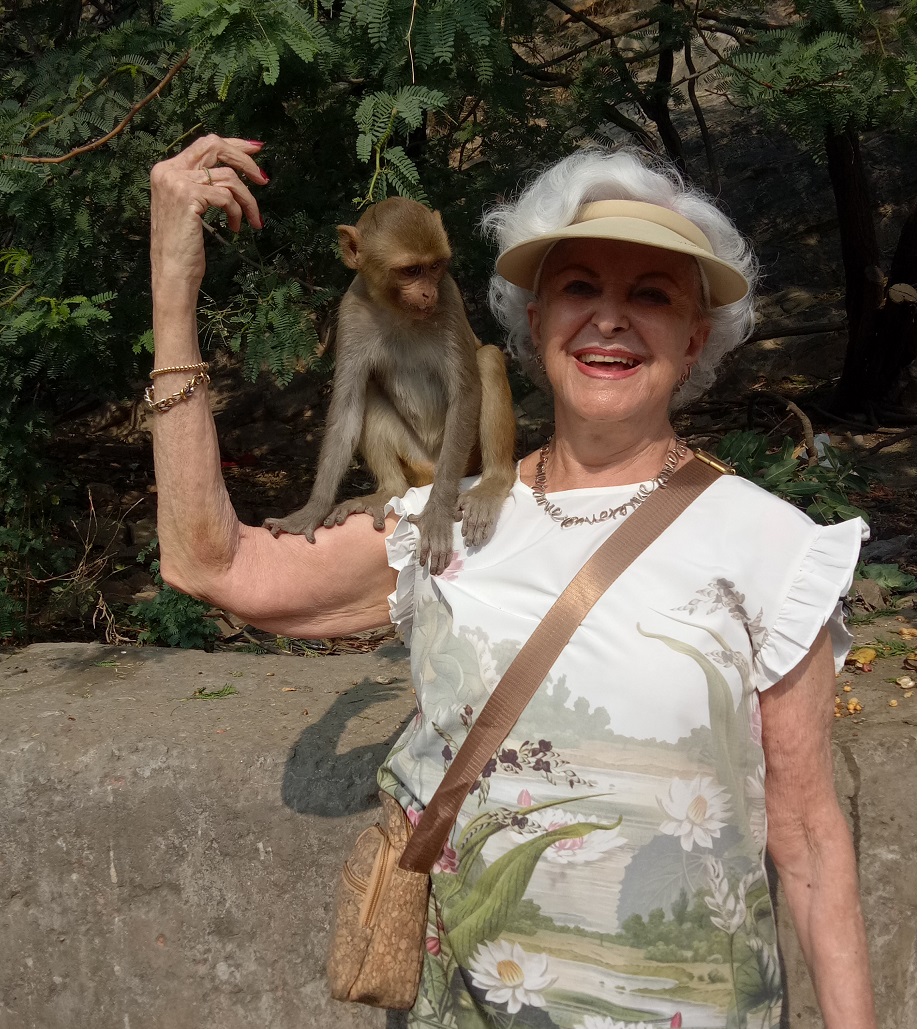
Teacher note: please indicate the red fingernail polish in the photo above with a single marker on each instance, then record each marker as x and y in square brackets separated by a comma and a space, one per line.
[256, 142]
[264, 175]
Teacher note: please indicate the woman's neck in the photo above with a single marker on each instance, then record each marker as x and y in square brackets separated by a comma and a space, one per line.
[603, 456]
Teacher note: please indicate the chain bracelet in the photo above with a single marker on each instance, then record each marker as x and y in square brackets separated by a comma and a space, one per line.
[164, 405]
[201, 366]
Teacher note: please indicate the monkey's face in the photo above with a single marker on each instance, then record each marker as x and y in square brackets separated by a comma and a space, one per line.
[414, 288]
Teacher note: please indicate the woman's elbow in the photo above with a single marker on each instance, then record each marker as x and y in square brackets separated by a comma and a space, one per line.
[797, 844]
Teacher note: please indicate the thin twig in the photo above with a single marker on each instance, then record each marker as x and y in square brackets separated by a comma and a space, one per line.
[716, 53]
[215, 234]
[96, 144]
[15, 296]
[576, 51]
[813, 457]
[410, 43]
[104, 81]
[588, 22]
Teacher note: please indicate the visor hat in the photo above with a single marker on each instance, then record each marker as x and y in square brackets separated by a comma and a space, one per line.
[628, 221]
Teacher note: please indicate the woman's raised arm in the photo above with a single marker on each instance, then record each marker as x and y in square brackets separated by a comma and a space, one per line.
[286, 585]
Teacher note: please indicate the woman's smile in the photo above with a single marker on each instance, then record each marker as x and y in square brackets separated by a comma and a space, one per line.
[602, 363]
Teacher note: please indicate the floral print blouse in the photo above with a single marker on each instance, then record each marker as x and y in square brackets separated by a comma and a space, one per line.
[607, 869]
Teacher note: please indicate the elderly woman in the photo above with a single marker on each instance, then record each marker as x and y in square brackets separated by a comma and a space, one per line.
[685, 727]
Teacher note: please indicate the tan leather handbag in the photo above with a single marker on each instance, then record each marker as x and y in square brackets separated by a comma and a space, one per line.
[379, 934]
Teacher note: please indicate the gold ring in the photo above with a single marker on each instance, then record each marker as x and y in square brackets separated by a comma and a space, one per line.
[208, 173]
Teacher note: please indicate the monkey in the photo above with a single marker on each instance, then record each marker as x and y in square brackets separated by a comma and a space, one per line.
[413, 389]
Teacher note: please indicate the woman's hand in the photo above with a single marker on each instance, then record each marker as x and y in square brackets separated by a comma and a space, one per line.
[208, 173]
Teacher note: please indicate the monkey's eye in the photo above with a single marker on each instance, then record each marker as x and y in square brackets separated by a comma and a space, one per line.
[412, 272]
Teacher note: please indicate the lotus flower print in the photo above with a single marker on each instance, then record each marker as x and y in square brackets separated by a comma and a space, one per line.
[582, 848]
[696, 810]
[510, 975]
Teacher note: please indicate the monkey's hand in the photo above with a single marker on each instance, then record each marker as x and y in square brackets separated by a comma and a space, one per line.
[436, 536]
[478, 509]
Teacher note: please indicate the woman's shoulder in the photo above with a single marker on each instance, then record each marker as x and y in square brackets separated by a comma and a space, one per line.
[737, 498]
[743, 519]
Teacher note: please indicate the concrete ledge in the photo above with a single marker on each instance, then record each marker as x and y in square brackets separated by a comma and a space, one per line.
[170, 863]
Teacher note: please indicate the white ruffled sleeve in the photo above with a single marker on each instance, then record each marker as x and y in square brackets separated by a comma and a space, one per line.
[814, 599]
[402, 550]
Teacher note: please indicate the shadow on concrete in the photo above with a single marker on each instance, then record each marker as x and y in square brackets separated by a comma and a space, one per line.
[321, 780]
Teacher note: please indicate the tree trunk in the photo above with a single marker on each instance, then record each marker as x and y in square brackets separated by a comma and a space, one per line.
[895, 324]
[861, 263]
[656, 103]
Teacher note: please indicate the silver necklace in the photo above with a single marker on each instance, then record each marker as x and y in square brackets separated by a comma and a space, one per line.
[539, 491]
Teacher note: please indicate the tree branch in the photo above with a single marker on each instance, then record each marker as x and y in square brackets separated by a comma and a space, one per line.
[898, 438]
[809, 440]
[96, 144]
[600, 30]
[774, 330]
[743, 23]
[716, 53]
[699, 117]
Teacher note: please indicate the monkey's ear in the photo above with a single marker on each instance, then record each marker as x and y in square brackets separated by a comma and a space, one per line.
[350, 243]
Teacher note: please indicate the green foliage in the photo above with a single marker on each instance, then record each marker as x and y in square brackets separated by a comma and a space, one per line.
[234, 37]
[888, 576]
[822, 490]
[171, 618]
[447, 101]
[379, 117]
[839, 65]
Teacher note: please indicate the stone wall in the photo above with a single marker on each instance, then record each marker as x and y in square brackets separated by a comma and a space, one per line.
[169, 862]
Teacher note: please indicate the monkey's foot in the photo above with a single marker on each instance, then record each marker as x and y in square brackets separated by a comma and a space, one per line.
[300, 523]
[374, 504]
[436, 537]
[479, 508]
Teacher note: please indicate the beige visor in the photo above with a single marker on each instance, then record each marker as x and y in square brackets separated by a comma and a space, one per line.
[632, 222]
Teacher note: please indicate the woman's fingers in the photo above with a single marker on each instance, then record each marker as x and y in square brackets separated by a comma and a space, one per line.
[208, 174]
[211, 151]
[225, 189]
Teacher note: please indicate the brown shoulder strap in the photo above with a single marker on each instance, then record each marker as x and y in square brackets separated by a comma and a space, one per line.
[533, 662]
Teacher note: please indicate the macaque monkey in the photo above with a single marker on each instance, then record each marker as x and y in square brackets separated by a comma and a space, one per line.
[413, 388]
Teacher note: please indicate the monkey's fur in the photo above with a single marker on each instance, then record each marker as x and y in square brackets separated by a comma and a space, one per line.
[413, 388]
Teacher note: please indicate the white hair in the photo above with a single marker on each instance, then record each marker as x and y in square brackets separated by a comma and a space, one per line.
[552, 200]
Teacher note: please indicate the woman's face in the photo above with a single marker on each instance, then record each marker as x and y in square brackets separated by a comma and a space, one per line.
[616, 325]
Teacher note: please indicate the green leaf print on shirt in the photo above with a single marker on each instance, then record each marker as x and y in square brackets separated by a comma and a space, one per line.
[483, 911]
[725, 719]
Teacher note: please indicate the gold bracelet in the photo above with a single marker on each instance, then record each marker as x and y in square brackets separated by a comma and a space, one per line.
[164, 405]
[202, 366]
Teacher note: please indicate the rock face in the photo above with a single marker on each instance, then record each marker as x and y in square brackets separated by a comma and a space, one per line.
[170, 863]
[169, 859]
